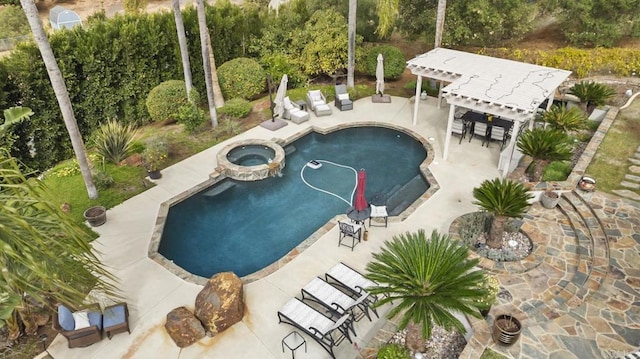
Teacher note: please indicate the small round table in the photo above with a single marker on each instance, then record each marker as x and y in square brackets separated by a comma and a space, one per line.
[358, 216]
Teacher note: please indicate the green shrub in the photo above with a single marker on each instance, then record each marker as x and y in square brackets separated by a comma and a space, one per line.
[165, 99]
[227, 127]
[13, 22]
[155, 154]
[394, 61]
[191, 117]
[433, 91]
[557, 171]
[241, 78]
[113, 141]
[393, 351]
[236, 108]
[103, 180]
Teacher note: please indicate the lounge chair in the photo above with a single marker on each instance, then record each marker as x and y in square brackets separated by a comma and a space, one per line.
[348, 278]
[323, 293]
[342, 101]
[81, 328]
[323, 330]
[293, 112]
[317, 102]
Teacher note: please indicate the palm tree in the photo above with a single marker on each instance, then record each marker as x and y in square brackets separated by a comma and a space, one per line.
[351, 48]
[206, 63]
[591, 94]
[565, 118]
[429, 279]
[46, 256]
[62, 95]
[503, 199]
[544, 145]
[442, 7]
[218, 99]
[184, 51]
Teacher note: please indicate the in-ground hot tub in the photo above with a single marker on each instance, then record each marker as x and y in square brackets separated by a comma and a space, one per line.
[251, 160]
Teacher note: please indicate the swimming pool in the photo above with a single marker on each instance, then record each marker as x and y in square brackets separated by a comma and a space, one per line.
[245, 226]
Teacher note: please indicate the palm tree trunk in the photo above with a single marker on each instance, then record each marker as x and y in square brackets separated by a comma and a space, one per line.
[202, 26]
[62, 95]
[414, 339]
[351, 49]
[496, 231]
[184, 52]
[538, 169]
[442, 7]
[218, 99]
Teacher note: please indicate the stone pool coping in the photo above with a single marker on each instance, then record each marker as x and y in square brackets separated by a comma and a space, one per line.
[218, 176]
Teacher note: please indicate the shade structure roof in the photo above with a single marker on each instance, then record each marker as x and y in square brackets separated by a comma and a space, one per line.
[505, 88]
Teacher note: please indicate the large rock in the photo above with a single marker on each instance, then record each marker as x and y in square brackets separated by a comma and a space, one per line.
[183, 327]
[220, 304]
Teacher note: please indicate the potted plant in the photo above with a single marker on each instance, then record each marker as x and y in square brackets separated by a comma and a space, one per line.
[506, 329]
[154, 156]
[549, 199]
[96, 215]
[492, 286]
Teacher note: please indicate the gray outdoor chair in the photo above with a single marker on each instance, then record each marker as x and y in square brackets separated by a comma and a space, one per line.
[342, 101]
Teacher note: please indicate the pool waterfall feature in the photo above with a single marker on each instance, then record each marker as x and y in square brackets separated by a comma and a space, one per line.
[226, 178]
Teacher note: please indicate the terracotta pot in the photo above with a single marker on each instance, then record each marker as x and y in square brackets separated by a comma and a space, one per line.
[96, 216]
[506, 329]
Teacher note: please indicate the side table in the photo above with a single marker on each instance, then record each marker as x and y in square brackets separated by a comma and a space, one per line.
[301, 104]
[294, 341]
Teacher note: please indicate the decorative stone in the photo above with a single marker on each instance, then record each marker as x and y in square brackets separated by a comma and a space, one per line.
[183, 327]
[634, 169]
[220, 304]
[632, 178]
[631, 185]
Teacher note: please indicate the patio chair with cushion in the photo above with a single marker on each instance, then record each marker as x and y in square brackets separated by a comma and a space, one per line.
[323, 330]
[351, 230]
[379, 212]
[342, 101]
[479, 129]
[81, 328]
[317, 103]
[293, 112]
[459, 127]
[498, 134]
[116, 319]
[335, 300]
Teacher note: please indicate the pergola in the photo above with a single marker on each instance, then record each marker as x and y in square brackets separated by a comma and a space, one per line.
[509, 89]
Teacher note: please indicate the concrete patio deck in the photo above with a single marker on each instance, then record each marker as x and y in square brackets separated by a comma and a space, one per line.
[151, 291]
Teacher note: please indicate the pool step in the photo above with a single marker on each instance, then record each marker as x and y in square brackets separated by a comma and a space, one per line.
[219, 188]
[289, 150]
[401, 199]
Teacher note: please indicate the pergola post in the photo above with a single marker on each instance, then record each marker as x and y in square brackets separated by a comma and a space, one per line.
[447, 138]
[417, 100]
[512, 146]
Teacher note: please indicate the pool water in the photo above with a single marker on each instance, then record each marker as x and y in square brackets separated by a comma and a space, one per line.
[245, 226]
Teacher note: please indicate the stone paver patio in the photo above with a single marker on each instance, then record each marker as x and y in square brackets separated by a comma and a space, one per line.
[577, 297]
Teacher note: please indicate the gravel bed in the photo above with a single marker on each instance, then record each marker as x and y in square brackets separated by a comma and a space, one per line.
[441, 344]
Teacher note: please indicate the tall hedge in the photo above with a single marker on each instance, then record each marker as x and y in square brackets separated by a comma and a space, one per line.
[241, 78]
[109, 68]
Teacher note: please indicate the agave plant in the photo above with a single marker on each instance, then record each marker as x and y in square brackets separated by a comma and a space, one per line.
[544, 145]
[565, 118]
[592, 94]
[503, 199]
[113, 141]
[428, 279]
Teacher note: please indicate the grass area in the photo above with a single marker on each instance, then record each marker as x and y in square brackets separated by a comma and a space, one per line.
[67, 186]
[610, 163]
[490, 354]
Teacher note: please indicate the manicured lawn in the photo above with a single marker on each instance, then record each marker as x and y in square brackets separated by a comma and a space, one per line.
[490, 354]
[610, 163]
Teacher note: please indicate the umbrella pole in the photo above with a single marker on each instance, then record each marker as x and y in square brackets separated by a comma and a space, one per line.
[273, 105]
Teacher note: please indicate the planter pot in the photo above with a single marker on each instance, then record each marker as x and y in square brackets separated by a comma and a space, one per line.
[549, 199]
[485, 312]
[96, 216]
[154, 175]
[506, 329]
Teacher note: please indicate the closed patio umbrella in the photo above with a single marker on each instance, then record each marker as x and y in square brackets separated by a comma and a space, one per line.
[380, 75]
[280, 95]
[361, 200]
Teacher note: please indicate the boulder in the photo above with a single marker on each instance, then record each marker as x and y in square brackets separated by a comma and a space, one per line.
[220, 304]
[183, 327]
